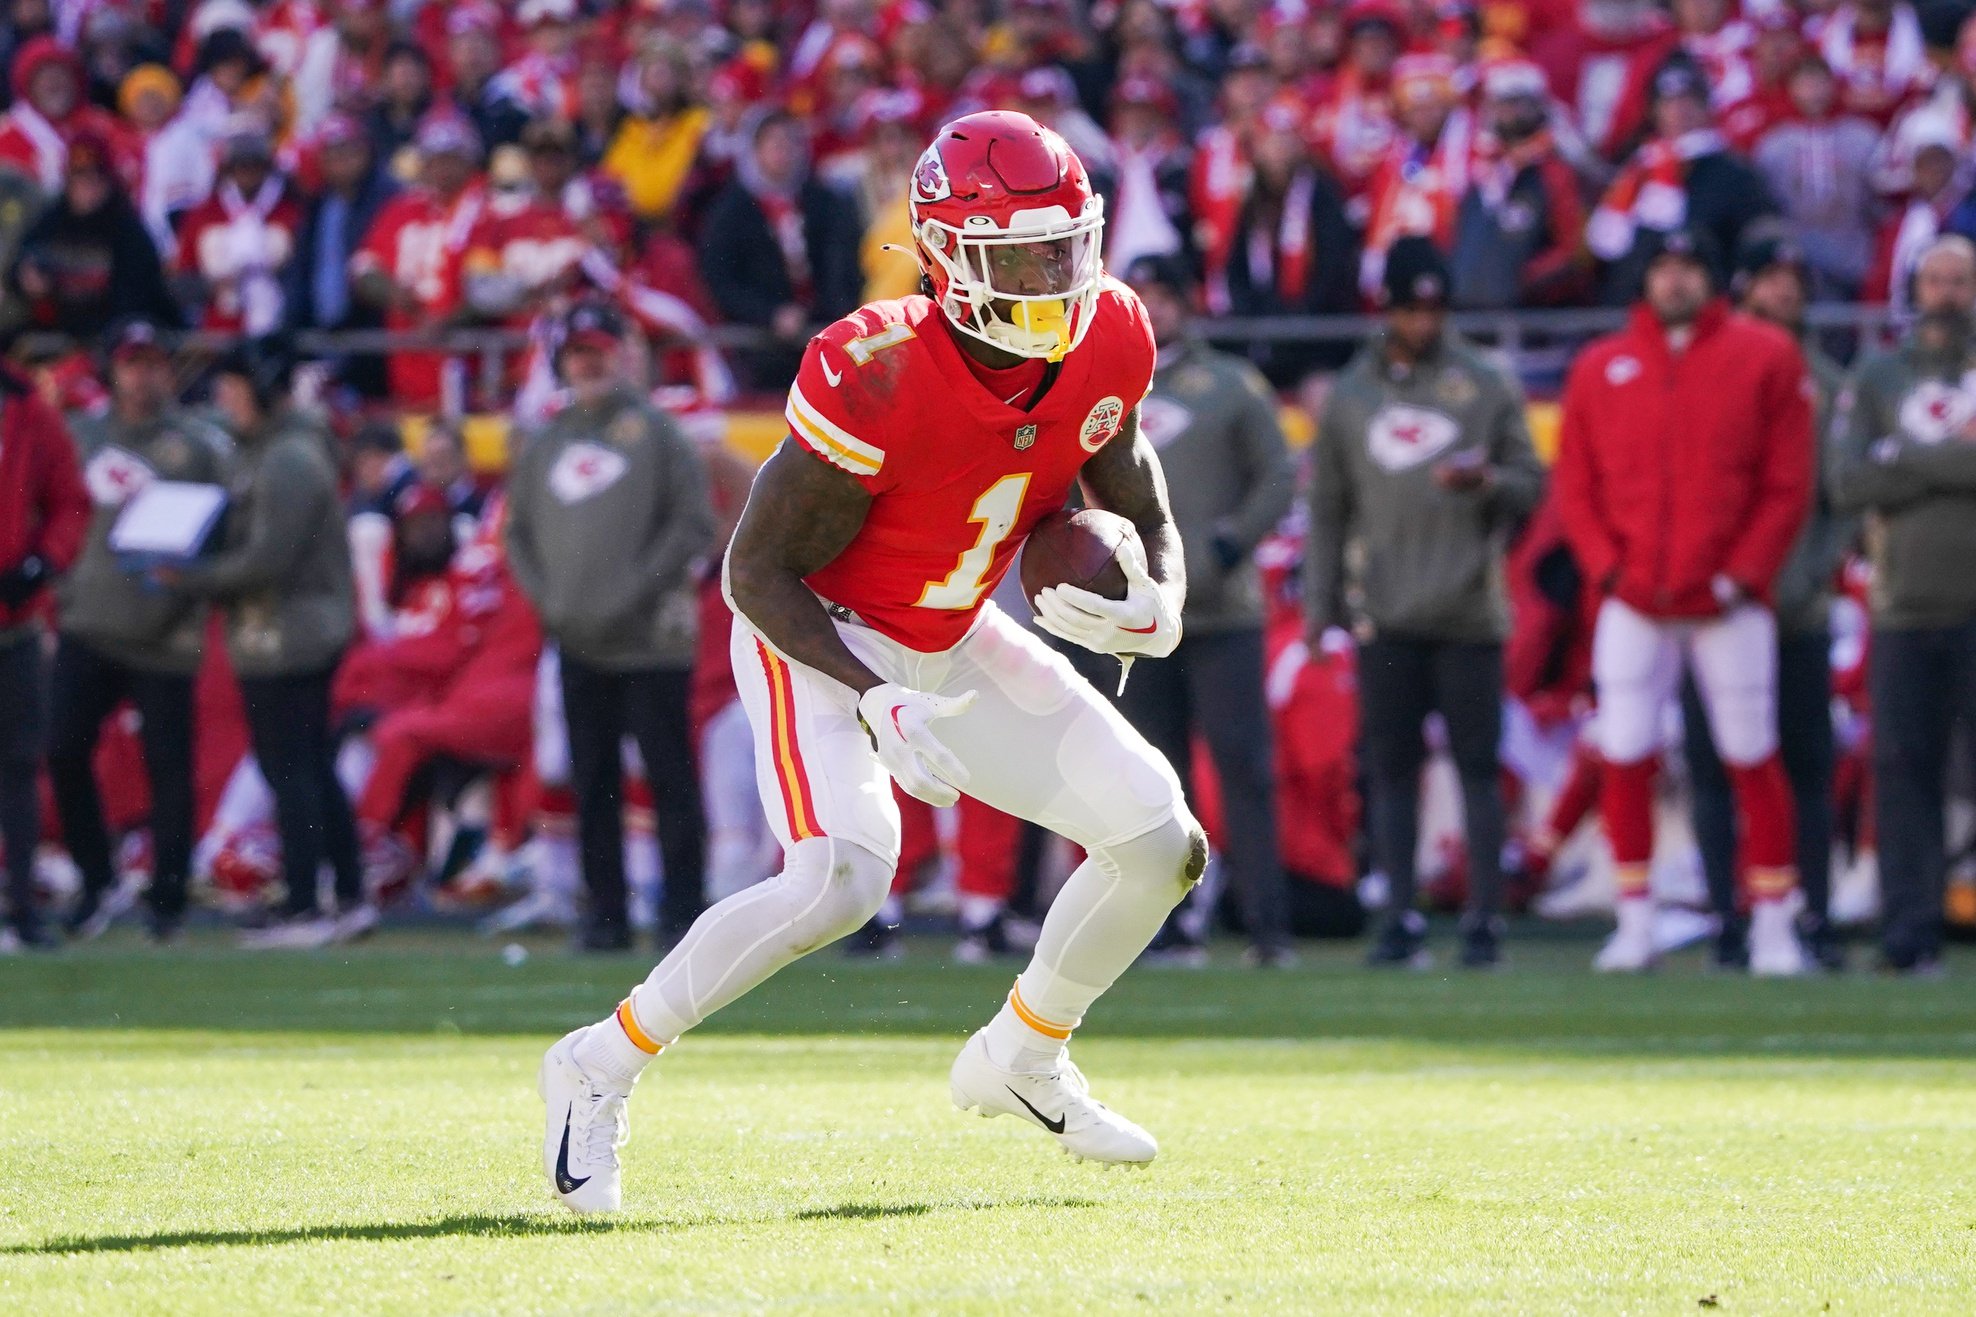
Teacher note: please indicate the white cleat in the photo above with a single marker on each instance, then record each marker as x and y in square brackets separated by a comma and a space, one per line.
[1775, 951]
[1059, 1102]
[585, 1126]
[1630, 949]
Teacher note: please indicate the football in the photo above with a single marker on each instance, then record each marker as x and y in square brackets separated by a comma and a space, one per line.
[1079, 548]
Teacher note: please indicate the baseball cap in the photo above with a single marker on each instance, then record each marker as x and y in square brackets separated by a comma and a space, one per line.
[135, 337]
[1680, 76]
[534, 13]
[1416, 274]
[443, 133]
[339, 129]
[593, 324]
[1766, 250]
[1513, 78]
[1690, 242]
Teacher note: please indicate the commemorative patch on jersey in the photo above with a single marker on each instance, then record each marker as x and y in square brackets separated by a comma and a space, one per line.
[628, 429]
[114, 475]
[1107, 415]
[1401, 437]
[1162, 419]
[1934, 411]
[586, 470]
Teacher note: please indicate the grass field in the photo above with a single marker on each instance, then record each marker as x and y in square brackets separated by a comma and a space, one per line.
[207, 1131]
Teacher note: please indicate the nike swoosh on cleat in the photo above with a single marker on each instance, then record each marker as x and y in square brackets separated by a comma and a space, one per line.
[1054, 1126]
[566, 1185]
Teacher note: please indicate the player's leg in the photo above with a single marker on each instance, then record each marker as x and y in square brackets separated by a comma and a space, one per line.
[1735, 667]
[830, 804]
[1041, 744]
[1636, 663]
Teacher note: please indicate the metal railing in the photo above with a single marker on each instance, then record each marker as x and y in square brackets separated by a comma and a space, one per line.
[1535, 343]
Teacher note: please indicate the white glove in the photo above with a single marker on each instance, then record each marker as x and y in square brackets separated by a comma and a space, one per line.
[900, 724]
[1144, 622]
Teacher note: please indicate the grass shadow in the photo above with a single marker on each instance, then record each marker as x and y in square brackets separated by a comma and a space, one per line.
[513, 1224]
[516, 1224]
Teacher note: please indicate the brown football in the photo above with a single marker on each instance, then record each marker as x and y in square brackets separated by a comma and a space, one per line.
[1079, 548]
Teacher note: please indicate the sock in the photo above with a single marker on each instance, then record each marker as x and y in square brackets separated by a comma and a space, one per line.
[1626, 802]
[617, 1048]
[1107, 912]
[1631, 882]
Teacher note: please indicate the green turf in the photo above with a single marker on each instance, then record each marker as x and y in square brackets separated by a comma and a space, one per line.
[207, 1131]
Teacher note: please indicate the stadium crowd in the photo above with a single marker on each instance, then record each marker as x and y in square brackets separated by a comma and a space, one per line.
[422, 676]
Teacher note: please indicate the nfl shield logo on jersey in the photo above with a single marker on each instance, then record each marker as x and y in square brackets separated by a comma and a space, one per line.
[1025, 435]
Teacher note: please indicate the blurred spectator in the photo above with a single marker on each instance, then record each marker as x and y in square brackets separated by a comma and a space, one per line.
[353, 188]
[49, 114]
[1423, 468]
[522, 254]
[542, 82]
[88, 261]
[1707, 36]
[442, 467]
[1907, 459]
[1294, 251]
[342, 62]
[1818, 165]
[658, 142]
[1146, 211]
[403, 98]
[1876, 49]
[1933, 191]
[124, 639]
[1354, 122]
[1417, 187]
[1518, 236]
[380, 473]
[1213, 419]
[608, 512]
[178, 161]
[473, 54]
[1773, 282]
[225, 78]
[42, 523]
[779, 248]
[409, 261]
[235, 249]
[281, 578]
[884, 172]
[1685, 177]
[1684, 476]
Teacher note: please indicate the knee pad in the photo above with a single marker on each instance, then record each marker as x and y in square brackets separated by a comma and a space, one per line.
[832, 887]
[1175, 851]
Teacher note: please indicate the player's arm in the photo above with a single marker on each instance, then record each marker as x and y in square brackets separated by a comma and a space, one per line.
[1124, 477]
[800, 515]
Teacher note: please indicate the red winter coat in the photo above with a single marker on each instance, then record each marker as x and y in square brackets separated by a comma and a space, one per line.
[44, 507]
[1674, 469]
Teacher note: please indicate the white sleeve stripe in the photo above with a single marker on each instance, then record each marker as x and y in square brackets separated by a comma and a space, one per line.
[824, 426]
[827, 448]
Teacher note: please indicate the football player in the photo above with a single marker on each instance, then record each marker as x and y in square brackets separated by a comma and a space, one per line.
[927, 436]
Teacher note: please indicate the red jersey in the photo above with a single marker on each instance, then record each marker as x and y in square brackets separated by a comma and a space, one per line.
[419, 241]
[959, 477]
[229, 239]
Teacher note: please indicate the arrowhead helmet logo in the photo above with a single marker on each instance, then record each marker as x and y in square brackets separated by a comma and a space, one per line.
[1025, 437]
[930, 177]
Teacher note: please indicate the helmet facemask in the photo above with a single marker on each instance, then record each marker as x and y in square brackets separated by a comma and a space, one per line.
[1028, 289]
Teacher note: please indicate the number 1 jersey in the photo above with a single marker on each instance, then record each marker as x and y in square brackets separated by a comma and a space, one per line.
[958, 477]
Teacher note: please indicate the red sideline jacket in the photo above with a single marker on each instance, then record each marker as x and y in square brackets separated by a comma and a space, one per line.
[44, 507]
[1676, 468]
